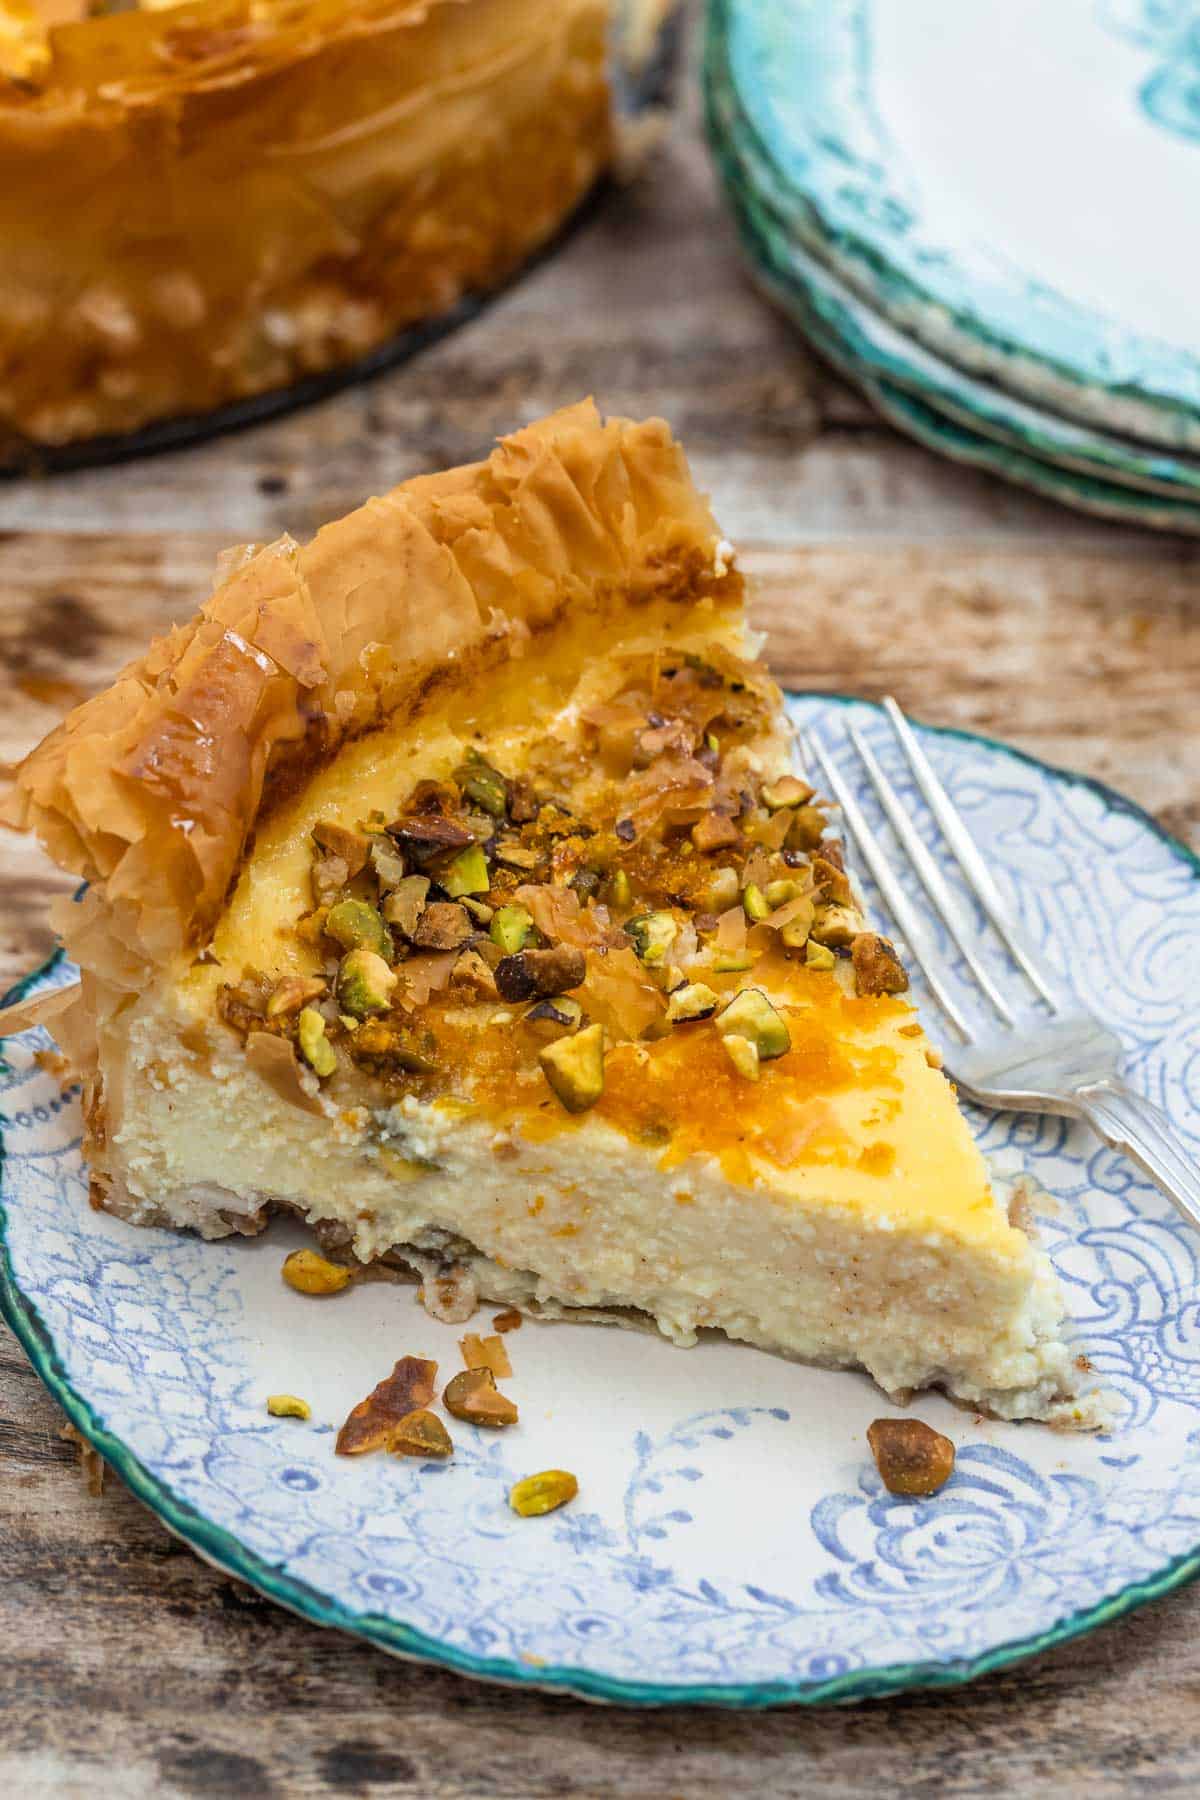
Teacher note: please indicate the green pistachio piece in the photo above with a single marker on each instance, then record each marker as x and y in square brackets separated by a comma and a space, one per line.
[510, 927]
[356, 926]
[787, 791]
[794, 935]
[574, 1067]
[315, 1047]
[467, 874]
[692, 1001]
[816, 956]
[732, 962]
[482, 785]
[364, 983]
[751, 1015]
[653, 934]
[755, 903]
[743, 1054]
[778, 893]
[837, 925]
[477, 910]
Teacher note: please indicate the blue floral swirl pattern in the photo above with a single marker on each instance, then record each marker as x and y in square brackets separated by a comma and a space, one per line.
[1170, 94]
[745, 1551]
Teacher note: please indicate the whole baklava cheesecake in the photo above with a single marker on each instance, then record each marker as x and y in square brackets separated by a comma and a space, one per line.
[451, 888]
[204, 202]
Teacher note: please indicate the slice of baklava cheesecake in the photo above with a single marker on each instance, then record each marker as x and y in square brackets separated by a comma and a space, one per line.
[451, 887]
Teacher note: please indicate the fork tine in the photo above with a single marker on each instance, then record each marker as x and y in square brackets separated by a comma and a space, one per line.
[966, 852]
[932, 879]
[898, 903]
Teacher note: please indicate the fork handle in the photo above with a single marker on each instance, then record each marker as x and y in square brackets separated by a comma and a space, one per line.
[1130, 1123]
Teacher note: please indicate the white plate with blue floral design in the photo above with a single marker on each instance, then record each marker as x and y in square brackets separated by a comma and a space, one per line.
[731, 1541]
[1008, 181]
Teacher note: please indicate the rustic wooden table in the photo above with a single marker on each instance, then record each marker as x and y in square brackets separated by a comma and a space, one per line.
[131, 1668]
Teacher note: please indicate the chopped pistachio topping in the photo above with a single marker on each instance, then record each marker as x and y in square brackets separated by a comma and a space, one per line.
[806, 829]
[291, 992]
[315, 1047]
[778, 893]
[542, 1493]
[692, 1001]
[794, 935]
[467, 874]
[755, 903]
[405, 904]
[751, 1015]
[817, 956]
[310, 1273]
[483, 785]
[837, 926]
[387, 863]
[743, 1054]
[510, 927]
[723, 889]
[574, 1067]
[364, 983]
[732, 962]
[516, 855]
[355, 925]
[288, 1406]
[653, 934]
[787, 791]
[551, 1018]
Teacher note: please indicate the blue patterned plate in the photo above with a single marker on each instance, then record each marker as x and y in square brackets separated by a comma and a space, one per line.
[1009, 182]
[731, 1541]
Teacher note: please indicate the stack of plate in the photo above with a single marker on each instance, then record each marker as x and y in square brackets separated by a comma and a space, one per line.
[983, 212]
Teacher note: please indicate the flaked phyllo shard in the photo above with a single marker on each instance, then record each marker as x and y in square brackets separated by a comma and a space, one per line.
[450, 887]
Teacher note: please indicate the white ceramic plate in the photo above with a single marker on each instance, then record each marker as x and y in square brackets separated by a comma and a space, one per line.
[731, 1541]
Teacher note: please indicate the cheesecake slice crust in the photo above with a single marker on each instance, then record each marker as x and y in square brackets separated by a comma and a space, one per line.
[452, 890]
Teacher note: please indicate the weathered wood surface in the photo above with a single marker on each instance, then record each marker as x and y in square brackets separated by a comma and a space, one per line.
[128, 1667]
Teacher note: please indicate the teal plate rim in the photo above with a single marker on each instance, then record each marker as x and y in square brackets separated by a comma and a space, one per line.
[862, 260]
[222, 1549]
[825, 307]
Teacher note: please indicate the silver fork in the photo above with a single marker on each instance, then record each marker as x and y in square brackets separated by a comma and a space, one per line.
[1046, 1054]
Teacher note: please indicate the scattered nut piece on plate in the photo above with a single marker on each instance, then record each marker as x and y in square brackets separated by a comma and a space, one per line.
[544, 1493]
[508, 1320]
[420, 1434]
[911, 1456]
[473, 1396]
[288, 1406]
[310, 1273]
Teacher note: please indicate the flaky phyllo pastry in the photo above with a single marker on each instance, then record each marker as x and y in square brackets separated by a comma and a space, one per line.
[203, 202]
[451, 888]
